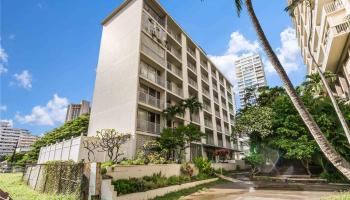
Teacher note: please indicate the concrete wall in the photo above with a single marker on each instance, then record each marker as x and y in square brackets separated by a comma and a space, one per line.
[138, 171]
[115, 95]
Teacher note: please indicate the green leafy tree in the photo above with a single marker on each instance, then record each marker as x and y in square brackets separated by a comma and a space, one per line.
[255, 160]
[314, 84]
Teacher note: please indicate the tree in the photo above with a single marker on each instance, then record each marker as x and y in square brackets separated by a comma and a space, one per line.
[250, 96]
[170, 113]
[332, 155]
[314, 84]
[255, 160]
[111, 142]
[310, 4]
[192, 104]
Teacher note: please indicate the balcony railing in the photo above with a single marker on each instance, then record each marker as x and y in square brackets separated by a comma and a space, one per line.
[173, 51]
[225, 118]
[151, 100]
[218, 128]
[149, 127]
[191, 52]
[177, 37]
[208, 123]
[205, 78]
[195, 118]
[220, 143]
[174, 69]
[152, 28]
[228, 144]
[150, 11]
[206, 92]
[204, 64]
[192, 67]
[155, 79]
[207, 107]
[153, 50]
[227, 131]
[216, 100]
[231, 110]
[333, 6]
[210, 139]
[174, 88]
[192, 82]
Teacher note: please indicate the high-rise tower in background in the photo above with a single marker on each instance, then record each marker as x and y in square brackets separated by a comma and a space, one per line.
[76, 110]
[148, 64]
[250, 76]
[329, 40]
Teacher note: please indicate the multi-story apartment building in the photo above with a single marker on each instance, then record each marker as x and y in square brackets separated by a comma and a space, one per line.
[250, 74]
[147, 63]
[329, 39]
[76, 110]
[10, 138]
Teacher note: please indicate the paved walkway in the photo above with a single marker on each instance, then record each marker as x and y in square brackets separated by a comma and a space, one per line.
[265, 191]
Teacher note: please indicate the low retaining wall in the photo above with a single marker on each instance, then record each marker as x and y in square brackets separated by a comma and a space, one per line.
[162, 191]
[229, 166]
[138, 171]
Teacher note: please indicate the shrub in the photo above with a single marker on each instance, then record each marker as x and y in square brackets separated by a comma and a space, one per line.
[334, 177]
[203, 165]
[187, 169]
[105, 165]
[174, 180]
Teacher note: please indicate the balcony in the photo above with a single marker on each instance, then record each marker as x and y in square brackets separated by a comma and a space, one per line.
[175, 89]
[210, 139]
[220, 143]
[208, 123]
[204, 65]
[207, 107]
[174, 52]
[195, 118]
[333, 6]
[227, 131]
[174, 69]
[218, 128]
[193, 83]
[151, 100]
[231, 110]
[153, 29]
[206, 92]
[216, 99]
[191, 52]
[154, 78]
[177, 37]
[205, 78]
[192, 67]
[149, 127]
[153, 50]
[151, 12]
[225, 118]
[228, 143]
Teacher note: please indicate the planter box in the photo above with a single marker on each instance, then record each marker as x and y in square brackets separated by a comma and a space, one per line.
[150, 194]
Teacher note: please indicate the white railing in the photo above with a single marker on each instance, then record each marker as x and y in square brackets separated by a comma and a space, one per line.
[192, 82]
[333, 6]
[175, 89]
[149, 127]
[151, 100]
[155, 79]
[174, 69]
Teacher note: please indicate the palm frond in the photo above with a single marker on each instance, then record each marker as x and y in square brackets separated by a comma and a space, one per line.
[238, 5]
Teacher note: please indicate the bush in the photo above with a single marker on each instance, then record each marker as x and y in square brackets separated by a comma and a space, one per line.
[203, 165]
[334, 177]
[186, 169]
[105, 165]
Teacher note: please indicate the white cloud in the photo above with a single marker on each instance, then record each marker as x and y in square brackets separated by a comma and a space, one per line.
[3, 108]
[3, 69]
[288, 53]
[50, 114]
[24, 79]
[3, 55]
[10, 121]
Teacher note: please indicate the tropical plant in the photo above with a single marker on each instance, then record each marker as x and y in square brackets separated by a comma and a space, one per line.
[171, 111]
[255, 160]
[332, 155]
[310, 4]
[314, 84]
[203, 165]
[192, 104]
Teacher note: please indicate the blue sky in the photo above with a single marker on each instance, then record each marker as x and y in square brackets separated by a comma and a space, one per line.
[49, 49]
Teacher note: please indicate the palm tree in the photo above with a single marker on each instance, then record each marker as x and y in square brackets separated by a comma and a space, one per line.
[192, 104]
[314, 85]
[171, 111]
[309, 3]
[332, 155]
[250, 96]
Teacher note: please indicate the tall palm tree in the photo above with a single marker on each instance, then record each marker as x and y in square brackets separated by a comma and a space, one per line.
[332, 155]
[314, 84]
[171, 111]
[310, 4]
[192, 104]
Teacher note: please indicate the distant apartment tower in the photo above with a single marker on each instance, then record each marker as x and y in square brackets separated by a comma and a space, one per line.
[76, 110]
[329, 40]
[148, 64]
[250, 74]
[10, 138]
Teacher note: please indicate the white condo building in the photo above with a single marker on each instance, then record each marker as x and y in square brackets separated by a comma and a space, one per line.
[10, 138]
[250, 74]
[329, 39]
[146, 63]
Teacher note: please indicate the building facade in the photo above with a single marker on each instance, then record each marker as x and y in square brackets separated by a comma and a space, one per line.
[10, 138]
[76, 110]
[149, 63]
[250, 74]
[329, 39]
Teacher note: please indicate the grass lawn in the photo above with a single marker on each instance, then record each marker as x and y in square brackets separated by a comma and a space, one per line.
[340, 196]
[12, 183]
[185, 192]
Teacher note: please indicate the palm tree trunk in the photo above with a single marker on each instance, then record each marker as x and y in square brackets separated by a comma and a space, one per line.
[336, 159]
[326, 85]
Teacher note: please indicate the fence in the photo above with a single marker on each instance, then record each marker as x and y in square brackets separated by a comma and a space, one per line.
[56, 178]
